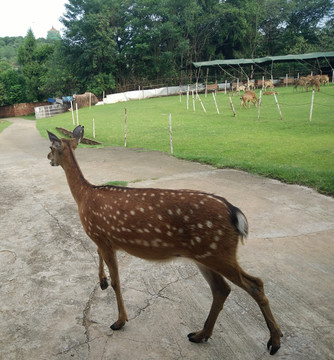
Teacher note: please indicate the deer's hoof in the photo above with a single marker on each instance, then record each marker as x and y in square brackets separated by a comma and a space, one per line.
[117, 325]
[197, 337]
[272, 347]
[104, 283]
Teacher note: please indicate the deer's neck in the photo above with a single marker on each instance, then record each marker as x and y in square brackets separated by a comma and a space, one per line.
[76, 181]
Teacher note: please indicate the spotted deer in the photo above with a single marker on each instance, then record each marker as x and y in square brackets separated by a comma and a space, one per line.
[248, 96]
[159, 224]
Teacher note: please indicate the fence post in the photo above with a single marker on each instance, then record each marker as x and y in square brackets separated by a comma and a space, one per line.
[170, 133]
[125, 118]
[197, 96]
[259, 107]
[214, 98]
[311, 110]
[194, 107]
[72, 110]
[279, 109]
[76, 108]
[232, 107]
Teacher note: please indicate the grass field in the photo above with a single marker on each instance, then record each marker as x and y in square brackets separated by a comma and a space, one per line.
[3, 124]
[293, 150]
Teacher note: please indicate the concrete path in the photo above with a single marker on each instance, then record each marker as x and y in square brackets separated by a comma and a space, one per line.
[51, 306]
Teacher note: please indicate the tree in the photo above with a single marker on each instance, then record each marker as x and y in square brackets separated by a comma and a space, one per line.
[12, 87]
[89, 40]
[32, 59]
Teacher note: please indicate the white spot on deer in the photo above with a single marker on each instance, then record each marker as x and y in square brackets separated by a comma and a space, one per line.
[157, 230]
[152, 194]
[156, 242]
[186, 218]
[169, 233]
[216, 238]
[150, 208]
[178, 211]
[200, 226]
[198, 239]
[209, 224]
[170, 212]
[203, 256]
[132, 212]
[213, 246]
[159, 217]
[142, 210]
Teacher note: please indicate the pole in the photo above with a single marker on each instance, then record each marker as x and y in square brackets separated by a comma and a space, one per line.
[170, 133]
[279, 109]
[76, 108]
[232, 107]
[214, 99]
[197, 96]
[72, 110]
[125, 118]
[259, 107]
[311, 110]
[194, 107]
[93, 128]
[188, 98]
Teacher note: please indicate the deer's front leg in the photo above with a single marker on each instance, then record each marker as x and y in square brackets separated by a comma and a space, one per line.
[109, 256]
[102, 275]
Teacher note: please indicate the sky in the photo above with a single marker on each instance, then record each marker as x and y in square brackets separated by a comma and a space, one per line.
[17, 16]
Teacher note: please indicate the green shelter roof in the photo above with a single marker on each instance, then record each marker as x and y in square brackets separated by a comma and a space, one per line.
[266, 59]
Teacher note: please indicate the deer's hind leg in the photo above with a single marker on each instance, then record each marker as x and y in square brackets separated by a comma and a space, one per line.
[220, 291]
[109, 256]
[102, 275]
[254, 287]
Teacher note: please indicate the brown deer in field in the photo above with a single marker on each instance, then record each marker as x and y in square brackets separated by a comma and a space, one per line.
[159, 224]
[248, 97]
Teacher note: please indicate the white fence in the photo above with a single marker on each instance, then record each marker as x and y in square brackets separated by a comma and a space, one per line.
[42, 112]
[145, 94]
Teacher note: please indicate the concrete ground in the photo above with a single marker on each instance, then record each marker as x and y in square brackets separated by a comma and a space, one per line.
[51, 305]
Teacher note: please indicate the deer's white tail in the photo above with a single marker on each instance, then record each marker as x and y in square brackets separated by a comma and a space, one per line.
[239, 221]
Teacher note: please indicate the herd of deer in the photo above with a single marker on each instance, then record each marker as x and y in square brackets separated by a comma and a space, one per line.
[304, 81]
[160, 224]
[311, 81]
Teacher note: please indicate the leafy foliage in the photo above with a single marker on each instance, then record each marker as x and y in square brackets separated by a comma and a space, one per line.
[112, 43]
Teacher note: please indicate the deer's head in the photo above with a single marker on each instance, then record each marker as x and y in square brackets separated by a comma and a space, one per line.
[59, 147]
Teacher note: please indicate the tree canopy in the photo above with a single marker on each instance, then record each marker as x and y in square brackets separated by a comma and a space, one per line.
[114, 43]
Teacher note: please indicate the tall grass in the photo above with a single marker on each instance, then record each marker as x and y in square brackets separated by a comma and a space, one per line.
[293, 150]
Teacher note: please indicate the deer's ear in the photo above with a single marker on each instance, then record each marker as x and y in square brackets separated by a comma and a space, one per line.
[78, 133]
[56, 143]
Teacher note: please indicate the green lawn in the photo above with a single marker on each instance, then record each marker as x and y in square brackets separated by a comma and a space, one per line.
[294, 150]
[4, 124]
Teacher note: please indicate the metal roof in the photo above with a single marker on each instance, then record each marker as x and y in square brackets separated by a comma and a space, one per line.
[266, 59]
